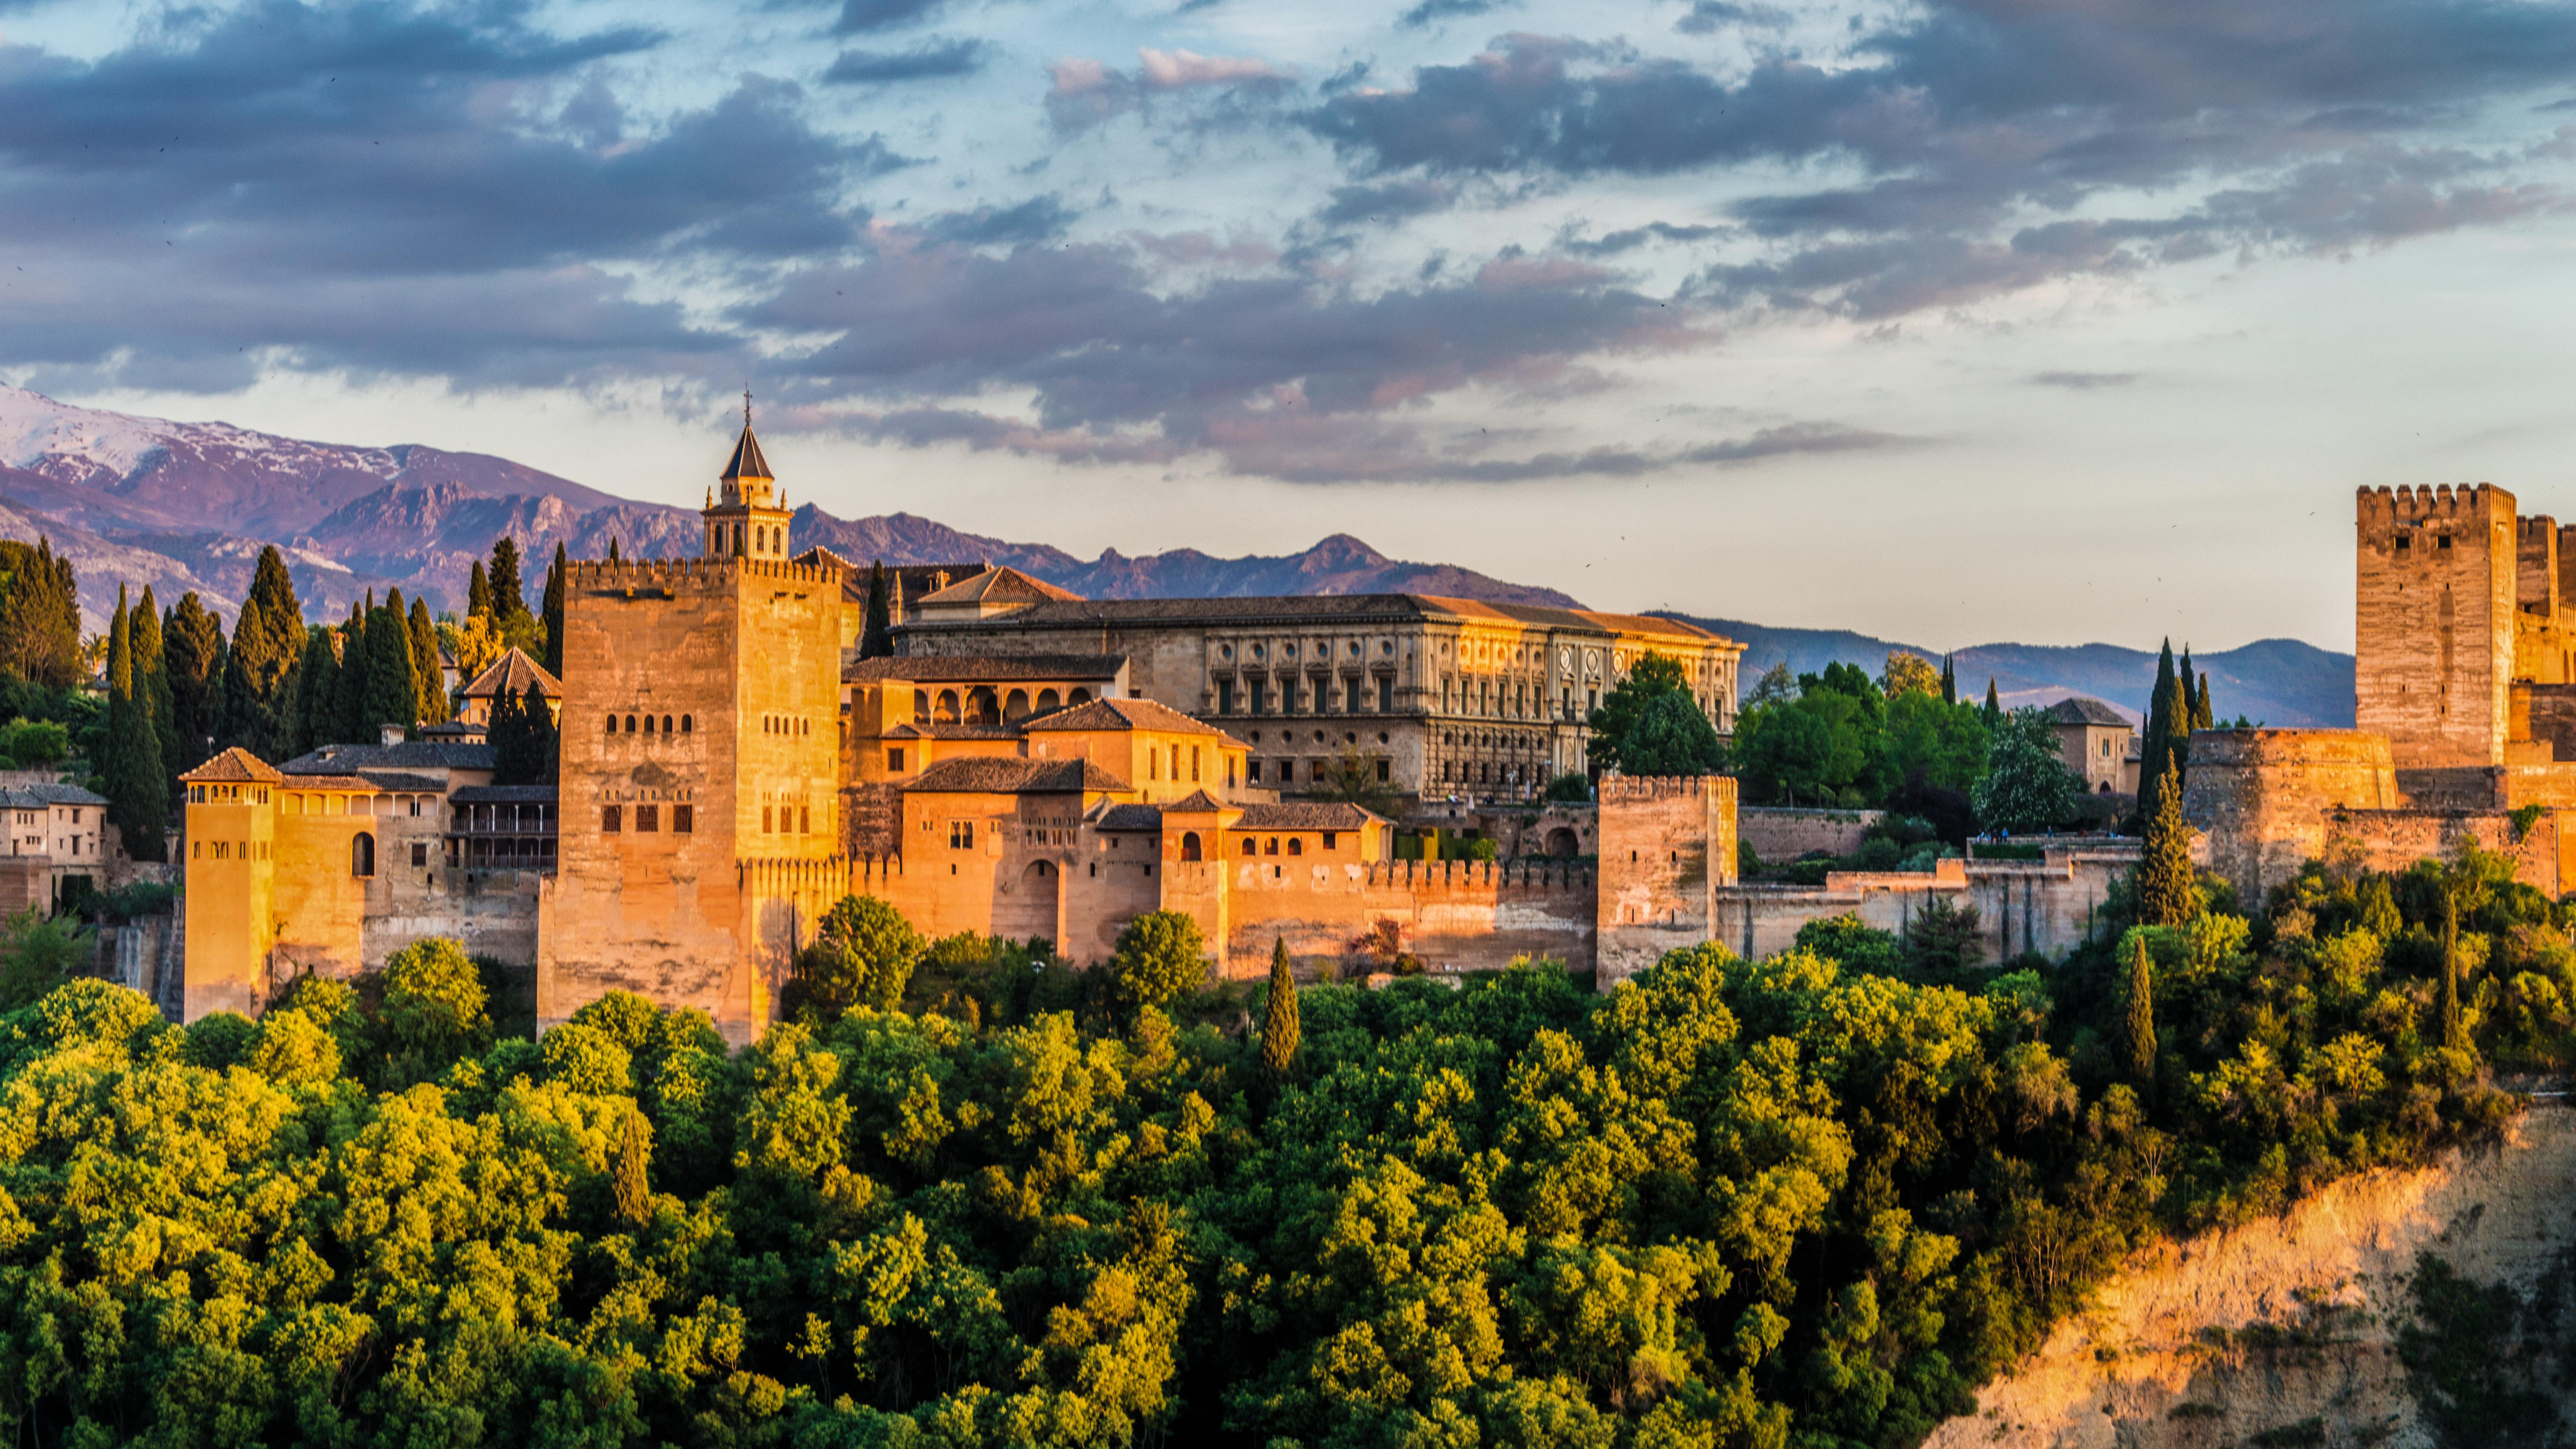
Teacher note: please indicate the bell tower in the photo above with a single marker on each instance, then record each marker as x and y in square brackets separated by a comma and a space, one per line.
[745, 518]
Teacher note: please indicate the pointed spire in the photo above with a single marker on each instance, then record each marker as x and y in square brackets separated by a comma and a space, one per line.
[747, 462]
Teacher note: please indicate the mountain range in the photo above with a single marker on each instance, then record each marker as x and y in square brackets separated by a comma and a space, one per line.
[184, 506]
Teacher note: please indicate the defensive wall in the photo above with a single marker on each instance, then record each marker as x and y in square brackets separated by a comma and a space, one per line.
[2048, 906]
[1667, 845]
[1777, 832]
[1462, 915]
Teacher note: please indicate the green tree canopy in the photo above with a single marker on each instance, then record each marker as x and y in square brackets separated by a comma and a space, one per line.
[1160, 956]
[2027, 784]
[193, 653]
[863, 955]
[1615, 722]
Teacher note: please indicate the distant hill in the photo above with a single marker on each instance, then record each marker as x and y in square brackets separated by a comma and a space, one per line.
[189, 506]
[2272, 681]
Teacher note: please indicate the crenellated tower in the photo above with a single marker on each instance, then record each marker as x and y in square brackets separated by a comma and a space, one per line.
[2435, 595]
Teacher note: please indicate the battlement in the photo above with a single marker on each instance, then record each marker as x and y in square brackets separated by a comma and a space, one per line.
[775, 876]
[1662, 787]
[2386, 508]
[671, 576]
[1540, 875]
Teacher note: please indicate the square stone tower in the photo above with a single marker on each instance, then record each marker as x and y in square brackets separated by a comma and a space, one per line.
[2435, 628]
[699, 781]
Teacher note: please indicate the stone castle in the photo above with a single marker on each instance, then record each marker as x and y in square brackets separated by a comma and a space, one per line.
[1033, 764]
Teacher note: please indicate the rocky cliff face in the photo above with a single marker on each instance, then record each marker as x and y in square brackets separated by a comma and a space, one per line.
[2285, 1332]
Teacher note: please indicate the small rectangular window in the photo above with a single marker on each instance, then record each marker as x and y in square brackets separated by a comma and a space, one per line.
[1252, 771]
[804, 820]
[419, 854]
[1383, 773]
[2445, 542]
[1386, 694]
[1329, 838]
[768, 824]
[648, 817]
[612, 819]
[684, 818]
[894, 760]
[1225, 696]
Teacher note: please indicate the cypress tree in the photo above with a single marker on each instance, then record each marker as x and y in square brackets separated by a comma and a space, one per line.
[429, 682]
[2157, 743]
[2166, 892]
[876, 640]
[2454, 1035]
[501, 730]
[554, 621]
[138, 791]
[634, 1151]
[2178, 739]
[522, 735]
[2203, 716]
[152, 688]
[393, 686]
[2141, 1044]
[509, 596]
[317, 689]
[1994, 705]
[1279, 1031]
[192, 652]
[612, 548]
[545, 738]
[1949, 681]
[259, 677]
[349, 695]
[478, 593]
[2190, 693]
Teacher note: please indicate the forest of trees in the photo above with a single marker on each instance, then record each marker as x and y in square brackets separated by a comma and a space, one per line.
[967, 1196]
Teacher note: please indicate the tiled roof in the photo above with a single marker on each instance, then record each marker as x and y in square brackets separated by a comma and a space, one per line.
[354, 784]
[1297, 611]
[2076, 709]
[233, 766]
[515, 671]
[1196, 800]
[1002, 585]
[747, 462]
[38, 797]
[1007, 776]
[978, 668]
[1129, 817]
[1305, 816]
[504, 795]
[409, 755]
[818, 556]
[406, 783]
[910, 731]
[1121, 714]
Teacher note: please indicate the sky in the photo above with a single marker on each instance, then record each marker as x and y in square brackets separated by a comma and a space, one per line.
[2042, 320]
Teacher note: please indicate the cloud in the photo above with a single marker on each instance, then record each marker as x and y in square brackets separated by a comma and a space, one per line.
[887, 67]
[866, 17]
[2083, 381]
[1035, 219]
[448, 180]
[1387, 201]
[2269, 124]
[1085, 93]
[1432, 11]
[1711, 15]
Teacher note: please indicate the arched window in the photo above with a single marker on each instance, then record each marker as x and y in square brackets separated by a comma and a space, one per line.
[1079, 696]
[362, 854]
[648, 724]
[737, 538]
[947, 706]
[921, 706]
[1296, 845]
[666, 724]
[612, 724]
[1250, 849]
[687, 724]
[1016, 706]
[1272, 848]
[630, 724]
[981, 706]
[1047, 700]
[1190, 845]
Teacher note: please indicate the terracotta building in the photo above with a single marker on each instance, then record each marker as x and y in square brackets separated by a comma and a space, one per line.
[2094, 740]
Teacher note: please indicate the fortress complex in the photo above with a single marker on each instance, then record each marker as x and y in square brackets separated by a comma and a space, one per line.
[2464, 705]
[1028, 764]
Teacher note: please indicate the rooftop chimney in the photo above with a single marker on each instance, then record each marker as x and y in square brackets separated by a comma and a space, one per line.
[391, 734]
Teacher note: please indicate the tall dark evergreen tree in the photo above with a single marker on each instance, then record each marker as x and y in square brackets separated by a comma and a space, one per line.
[2204, 716]
[509, 596]
[876, 637]
[40, 634]
[2140, 1052]
[1949, 680]
[393, 687]
[2167, 894]
[2454, 1034]
[2156, 743]
[478, 593]
[317, 692]
[192, 654]
[259, 675]
[152, 687]
[138, 790]
[1994, 705]
[349, 695]
[1279, 1026]
[429, 682]
[2190, 694]
[556, 574]
[523, 739]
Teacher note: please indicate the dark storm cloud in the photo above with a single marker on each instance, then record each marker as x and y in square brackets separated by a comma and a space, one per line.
[2295, 123]
[386, 187]
[935, 61]
[1290, 376]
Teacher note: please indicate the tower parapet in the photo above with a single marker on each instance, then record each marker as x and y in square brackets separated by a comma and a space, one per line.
[2434, 632]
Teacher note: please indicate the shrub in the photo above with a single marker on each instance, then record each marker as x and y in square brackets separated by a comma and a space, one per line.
[864, 955]
[1161, 955]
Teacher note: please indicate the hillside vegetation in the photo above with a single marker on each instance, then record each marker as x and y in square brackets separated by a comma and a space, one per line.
[1810, 1200]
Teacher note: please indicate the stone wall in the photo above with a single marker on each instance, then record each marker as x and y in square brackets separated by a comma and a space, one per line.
[2392, 840]
[2262, 797]
[1666, 846]
[1778, 833]
[2049, 906]
[1455, 915]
